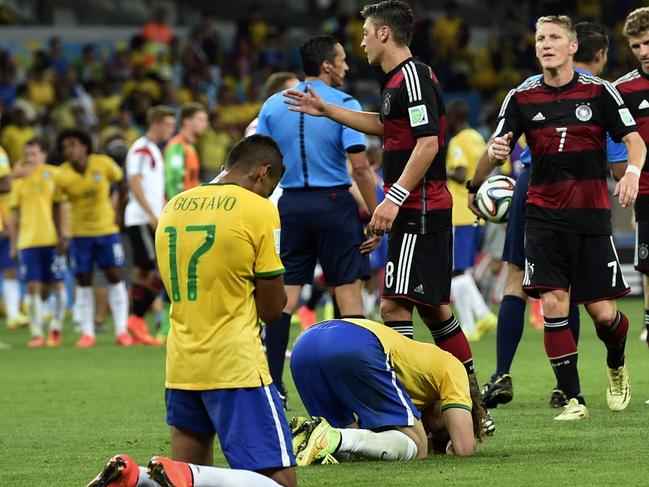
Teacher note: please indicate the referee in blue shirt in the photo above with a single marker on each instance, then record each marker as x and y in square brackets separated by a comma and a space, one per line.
[319, 216]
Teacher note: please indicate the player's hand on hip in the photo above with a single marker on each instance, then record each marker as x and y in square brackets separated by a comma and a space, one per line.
[499, 149]
[306, 102]
[372, 242]
[626, 189]
[383, 217]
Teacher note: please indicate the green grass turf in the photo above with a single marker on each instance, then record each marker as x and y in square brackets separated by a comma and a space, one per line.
[64, 412]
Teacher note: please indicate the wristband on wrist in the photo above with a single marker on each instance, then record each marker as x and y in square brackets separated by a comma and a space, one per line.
[471, 188]
[632, 169]
[397, 194]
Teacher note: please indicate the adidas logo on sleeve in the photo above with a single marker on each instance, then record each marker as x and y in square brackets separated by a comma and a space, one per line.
[643, 104]
[538, 117]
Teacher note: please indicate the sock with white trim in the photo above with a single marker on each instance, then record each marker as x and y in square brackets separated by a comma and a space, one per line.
[11, 293]
[388, 445]
[144, 480]
[35, 312]
[205, 476]
[86, 303]
[461, 296]
[403, 326]
[118, 302]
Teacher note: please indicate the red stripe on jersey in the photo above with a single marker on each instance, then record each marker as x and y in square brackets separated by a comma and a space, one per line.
[643, 189]
[638, 84]
[539, 94]
[438, 196]
[397, 134]
[572, 193]
[395, 81]
[145, 151]
[576, 138]
[642, 124]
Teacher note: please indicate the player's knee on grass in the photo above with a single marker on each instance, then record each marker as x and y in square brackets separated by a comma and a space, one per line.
[283, 476]
[417, 434]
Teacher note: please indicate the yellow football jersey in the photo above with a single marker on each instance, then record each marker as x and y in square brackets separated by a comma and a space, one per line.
[212, 241]
[464, 150]
[5, 170]
[89, 195]
[33, 197]
[427, 372]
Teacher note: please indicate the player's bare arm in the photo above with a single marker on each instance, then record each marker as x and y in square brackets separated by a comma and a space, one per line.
[11, 228]
[627, 188]
[312, 104]
[135, 185]
[422, 155]
[270, 298]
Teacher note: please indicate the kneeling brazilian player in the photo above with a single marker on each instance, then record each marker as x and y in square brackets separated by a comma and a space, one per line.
[377, 394]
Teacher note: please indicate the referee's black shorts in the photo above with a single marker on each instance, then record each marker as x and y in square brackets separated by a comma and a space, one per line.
[321, 225]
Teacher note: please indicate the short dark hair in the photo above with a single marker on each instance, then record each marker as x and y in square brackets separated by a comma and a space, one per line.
[158, 113]
[74, 133]
[277, 81]
[314, 51]
[39, 142]
[256, 150]
[591, 38]
[190, 109]
[394, 14]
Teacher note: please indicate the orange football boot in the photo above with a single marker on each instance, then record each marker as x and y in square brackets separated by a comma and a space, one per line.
[169, 473]
[120, 471]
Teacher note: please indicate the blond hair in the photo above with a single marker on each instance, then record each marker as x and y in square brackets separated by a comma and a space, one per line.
[562, 21]
[637, 23]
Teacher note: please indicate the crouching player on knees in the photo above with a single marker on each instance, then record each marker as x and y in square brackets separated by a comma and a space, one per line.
[374, 393]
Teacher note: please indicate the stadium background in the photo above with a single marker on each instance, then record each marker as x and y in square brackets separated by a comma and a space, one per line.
[100, 64]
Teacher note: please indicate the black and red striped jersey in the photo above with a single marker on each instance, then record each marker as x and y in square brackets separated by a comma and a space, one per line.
[634, 88]
[413, 107]
[565, 128]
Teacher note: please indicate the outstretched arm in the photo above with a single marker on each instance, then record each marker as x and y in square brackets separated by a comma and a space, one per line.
[312, 104]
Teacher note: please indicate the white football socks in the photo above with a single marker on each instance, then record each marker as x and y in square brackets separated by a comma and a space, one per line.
[461, 297]
[58, 312]
[478, 305]
[386, 445]
[118, 302]
[35, 312]
[11, 293]
[205, 476]
[86, 303]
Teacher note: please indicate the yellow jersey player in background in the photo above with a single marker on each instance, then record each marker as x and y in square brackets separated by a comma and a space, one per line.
[85, 179]
[35, 208]
[464, 151]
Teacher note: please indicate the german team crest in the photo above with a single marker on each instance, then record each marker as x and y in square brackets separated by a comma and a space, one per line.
[386, 105]
[96, 176]
[584, 113]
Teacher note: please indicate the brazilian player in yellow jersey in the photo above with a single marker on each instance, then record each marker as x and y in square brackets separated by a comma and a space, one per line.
[34, 209]
[8, 266]
[465, 148]
[357, 373]
[85, 179]
[217, 247]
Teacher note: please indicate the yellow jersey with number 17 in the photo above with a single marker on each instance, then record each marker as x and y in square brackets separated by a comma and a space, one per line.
[89, 195]
[212, 242]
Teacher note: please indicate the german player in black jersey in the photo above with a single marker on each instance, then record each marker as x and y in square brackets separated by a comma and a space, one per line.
[417, 209]
[634, 88]
[569, 249]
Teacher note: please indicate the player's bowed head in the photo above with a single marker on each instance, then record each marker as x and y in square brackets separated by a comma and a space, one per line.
[254, 163]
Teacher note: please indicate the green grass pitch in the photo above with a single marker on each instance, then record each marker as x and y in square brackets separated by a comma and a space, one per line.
[64, 412]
